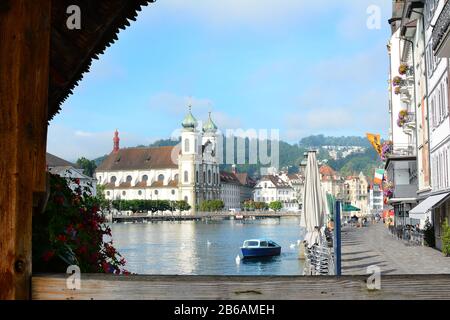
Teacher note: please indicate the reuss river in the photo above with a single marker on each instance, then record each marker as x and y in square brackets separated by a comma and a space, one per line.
[207, 248]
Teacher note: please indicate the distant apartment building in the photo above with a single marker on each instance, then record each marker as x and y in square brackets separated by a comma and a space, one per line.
[376, 199]
[272, 188]
[356, 193]
[230, 190]
[332, 182]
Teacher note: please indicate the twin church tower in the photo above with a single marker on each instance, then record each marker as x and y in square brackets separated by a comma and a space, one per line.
[154, 173]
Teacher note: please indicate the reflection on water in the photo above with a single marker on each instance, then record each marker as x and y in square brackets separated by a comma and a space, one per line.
[207, 248]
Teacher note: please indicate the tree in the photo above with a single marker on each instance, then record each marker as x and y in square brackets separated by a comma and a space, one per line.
[212, 205]
[276, 206]
[446, 238]
[88, 166]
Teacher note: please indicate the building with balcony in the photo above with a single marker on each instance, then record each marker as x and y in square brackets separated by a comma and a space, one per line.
[376, 203]
[419, 43]
[356, 193]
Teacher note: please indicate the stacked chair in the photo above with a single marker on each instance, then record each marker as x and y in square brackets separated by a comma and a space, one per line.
[319, 258]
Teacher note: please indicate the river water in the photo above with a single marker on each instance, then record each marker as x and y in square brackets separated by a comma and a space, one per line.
[207, 248]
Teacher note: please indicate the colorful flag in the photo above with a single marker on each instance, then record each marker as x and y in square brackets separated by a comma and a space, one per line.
[375, 142]
[379, 174]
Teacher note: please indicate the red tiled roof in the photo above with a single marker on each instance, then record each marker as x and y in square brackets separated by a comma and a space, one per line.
[228, 177]
[139, 159]
[245, 180]
[327, 171]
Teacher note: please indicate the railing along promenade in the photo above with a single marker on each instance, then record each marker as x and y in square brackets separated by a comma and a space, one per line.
[198, 216]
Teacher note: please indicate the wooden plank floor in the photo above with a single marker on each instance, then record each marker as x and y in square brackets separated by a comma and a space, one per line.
[53, 286]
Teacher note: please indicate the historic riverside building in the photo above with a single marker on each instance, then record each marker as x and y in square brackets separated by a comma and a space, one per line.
[272, 188]
[419, 52]
[188, 171]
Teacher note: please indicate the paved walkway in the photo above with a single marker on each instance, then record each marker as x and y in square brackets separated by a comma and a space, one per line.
[373, 245]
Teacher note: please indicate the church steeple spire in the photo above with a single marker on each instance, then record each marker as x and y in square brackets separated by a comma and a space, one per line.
[189, 121]
[116, 142]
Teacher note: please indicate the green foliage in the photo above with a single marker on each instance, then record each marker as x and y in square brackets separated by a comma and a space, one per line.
[446, 238]
[71, 231]
[276, 206]
[88, 166]
[291, 155]
[365, 162]
[150, 205]
[211, 205]
[428, 234]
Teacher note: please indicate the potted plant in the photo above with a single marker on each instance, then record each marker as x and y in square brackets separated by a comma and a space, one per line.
[396, 81]
[397, 90]
[72, 231]
[403, 69]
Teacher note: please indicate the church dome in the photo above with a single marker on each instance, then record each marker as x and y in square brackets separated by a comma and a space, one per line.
[189, 121]
[209, 125]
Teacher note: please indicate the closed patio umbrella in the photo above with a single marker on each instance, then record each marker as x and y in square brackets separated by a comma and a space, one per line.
[313, 203]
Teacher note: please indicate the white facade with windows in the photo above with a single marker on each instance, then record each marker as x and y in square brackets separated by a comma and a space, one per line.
[188, 171]
[272, 188]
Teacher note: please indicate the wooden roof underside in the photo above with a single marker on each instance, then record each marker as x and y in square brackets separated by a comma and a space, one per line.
[72, 51]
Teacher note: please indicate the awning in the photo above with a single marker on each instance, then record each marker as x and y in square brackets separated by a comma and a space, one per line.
[350, 208]
[419, 211]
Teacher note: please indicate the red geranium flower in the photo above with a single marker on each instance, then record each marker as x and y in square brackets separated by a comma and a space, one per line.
[48, 255]
[61, 238]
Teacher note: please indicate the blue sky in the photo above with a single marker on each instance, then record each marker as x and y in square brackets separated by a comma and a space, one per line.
[303, 67]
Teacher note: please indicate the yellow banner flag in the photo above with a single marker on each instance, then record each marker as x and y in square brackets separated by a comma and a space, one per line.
[375, 141]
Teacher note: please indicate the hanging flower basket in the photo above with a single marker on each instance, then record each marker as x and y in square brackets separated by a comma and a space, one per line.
[388, 189]
[386, 150]
[402, 118]
[396, 81]
[397, 90]
[403, 69]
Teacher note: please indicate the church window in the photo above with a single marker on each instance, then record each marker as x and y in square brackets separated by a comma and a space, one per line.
[156, 192]
[100, 179]
[144, 177]
[186, 145]
[140, 192]
[196, 176]
[161, 177]
[129, 178]
[113, 179]
[186, 176]
[124, 193]
[186, 198]
[173, 192]
[108, 193]
[176, 177]
[204, 176]
[209, 176]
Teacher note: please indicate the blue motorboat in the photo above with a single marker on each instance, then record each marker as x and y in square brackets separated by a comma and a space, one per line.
[260, 248]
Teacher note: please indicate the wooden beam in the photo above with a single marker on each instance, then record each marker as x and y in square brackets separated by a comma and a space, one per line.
[24, 60]
[393, 287]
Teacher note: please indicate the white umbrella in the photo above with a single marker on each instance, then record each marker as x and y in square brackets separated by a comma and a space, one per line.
[313, 203]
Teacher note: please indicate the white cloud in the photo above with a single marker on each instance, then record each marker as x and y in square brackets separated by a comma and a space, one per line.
[72, 144]
[177, 106]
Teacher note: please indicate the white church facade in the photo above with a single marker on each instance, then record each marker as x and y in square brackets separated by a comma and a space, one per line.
[188, 171]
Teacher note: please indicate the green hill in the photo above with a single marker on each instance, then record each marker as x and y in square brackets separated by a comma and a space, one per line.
[291, 155]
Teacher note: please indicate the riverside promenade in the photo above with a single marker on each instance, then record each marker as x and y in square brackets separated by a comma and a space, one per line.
[374, 245]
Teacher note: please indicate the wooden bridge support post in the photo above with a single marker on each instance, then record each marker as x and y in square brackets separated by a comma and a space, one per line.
[24, 73]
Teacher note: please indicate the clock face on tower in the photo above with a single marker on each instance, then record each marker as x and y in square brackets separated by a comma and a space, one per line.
[209, 151]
